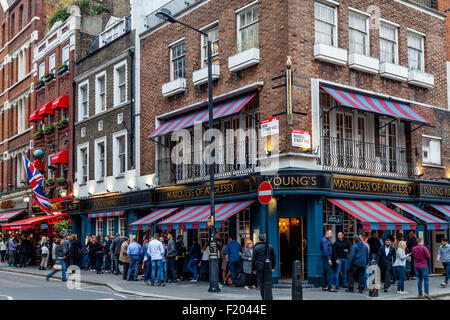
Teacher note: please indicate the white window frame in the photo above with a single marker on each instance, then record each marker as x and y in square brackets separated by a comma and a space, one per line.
[396, 48]
[117, 67]
[52, 63]
[41, 72]
[426, 146]
[20, 116]
[204, 43]
[99, 227]
[50, 173]
[239, 12]
[81, 147]
[422, 52]
[81, 114]
[20, 176]
[122, 226]
[335, 32]
[65, 55]
[98, 98]
[97, 169]
[172, 69]
[116, 159]
[110, 226]
[100, 125]
[367, 31]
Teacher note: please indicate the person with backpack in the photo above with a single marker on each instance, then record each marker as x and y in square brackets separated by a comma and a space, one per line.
[43, 249]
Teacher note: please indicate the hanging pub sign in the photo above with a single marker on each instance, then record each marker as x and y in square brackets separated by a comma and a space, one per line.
[335, 219]
[301, 139]
[270, 127]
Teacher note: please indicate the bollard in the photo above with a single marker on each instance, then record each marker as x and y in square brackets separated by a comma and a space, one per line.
[297, 281]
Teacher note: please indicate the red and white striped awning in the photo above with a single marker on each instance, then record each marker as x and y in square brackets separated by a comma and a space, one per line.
[374, 215]
[432, 222]
[223, 109]
[6, 216]
[106, 214]
[443, 208]
[146, 222]
[195, 217]
[375, 105]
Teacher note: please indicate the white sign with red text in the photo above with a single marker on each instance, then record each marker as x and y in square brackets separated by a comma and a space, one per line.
[270, 127]
[301, 139]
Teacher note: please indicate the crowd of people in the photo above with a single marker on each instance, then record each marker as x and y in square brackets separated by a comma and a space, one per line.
[17, 250]
[396, 261]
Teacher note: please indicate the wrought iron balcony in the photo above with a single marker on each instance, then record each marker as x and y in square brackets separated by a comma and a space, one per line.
[229, 163]
[365, 158]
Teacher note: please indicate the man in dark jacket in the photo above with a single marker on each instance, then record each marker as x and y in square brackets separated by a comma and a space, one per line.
[180, 258]
[115, 252]
[171, 254]
[23, 252]
[107, 254]
[341, 249]
[326, 253]
[75, 250]
[374, 243]
[385, 260]
[411, 242]
[258, 261]
[358, 259]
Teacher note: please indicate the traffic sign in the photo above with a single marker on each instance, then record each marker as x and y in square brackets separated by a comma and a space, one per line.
[265, 192]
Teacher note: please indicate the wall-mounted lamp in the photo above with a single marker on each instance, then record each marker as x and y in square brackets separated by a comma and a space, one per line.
[90, 194]
[130, 188]
[108, 190]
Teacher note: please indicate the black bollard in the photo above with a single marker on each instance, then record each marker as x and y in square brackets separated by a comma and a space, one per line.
[297, 281]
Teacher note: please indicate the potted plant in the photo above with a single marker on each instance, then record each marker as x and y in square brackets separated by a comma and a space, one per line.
[63, 69]
[62, 123]
[49, 77]
[50, 182]
[49, 128]
[38, 134]
[61, 181]
[39, 84]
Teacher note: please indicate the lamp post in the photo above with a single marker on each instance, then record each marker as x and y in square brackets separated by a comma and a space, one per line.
[166, 15]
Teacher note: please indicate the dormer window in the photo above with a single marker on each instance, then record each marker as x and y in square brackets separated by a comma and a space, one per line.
[114, 29]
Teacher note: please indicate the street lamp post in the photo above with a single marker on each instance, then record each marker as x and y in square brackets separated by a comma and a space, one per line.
[166, 15]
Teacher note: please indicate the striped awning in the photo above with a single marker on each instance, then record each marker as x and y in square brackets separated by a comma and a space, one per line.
[432, 222]
[6, 216]
[442, 208]
[374, 215]
[376, 105]
[30, 222]
[146, 222]
[106, 214]
[223, 109]
[195, 217]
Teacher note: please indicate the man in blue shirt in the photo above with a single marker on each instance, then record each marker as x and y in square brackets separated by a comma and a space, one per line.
[12, 251]
[231, 253]
[134, 251]
[325, 252]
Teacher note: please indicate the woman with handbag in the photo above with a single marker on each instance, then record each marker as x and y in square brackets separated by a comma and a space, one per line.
[247, 266]
[43, 248]
[60, 264]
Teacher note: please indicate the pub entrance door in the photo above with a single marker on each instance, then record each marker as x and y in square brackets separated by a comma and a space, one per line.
[292, 242]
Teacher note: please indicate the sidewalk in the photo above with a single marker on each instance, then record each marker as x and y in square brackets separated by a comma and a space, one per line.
[199, 291]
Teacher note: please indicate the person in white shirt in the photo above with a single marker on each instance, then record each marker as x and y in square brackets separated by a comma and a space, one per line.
[156, 252]
[2, 249]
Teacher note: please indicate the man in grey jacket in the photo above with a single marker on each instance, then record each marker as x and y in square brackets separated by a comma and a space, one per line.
[171, 254]
[115, 252]
[444, 257]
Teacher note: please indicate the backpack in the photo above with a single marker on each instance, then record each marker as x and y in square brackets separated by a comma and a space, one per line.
[44, 249]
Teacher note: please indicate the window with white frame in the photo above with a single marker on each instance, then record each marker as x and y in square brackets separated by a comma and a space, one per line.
[213, 36]
[100, 158]
[388, 43]
[325, 24]
[20, 171]
[122, 226]
[120, 153]
[247, 21]
[51, 64]
[83, 100]
[358, 33]
[415, 52]
[65, 55]
[100, 90]
[21, 116]
[177, 61]
[110, 223]
[83, 163]
[99, 227]
[41, 70]
[431, 150]
[120, 83]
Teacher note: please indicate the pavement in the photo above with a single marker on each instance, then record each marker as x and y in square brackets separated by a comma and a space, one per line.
[199, 291]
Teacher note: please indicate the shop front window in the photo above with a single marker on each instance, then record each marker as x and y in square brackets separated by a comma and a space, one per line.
[243, 227]
[122, 226]
[99, 227]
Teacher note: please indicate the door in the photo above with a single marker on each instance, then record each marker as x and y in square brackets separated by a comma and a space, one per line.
[292, 242]
[436, 238]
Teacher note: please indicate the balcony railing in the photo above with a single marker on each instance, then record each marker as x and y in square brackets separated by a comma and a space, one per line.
[175, 6]
[231, 160]
[427, 3]
[365, 158]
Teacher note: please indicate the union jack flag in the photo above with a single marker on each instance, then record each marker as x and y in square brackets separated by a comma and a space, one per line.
[35, 179]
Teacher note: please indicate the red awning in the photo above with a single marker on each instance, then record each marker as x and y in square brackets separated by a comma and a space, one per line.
[38, 164]
[61, 102]
[46, 109]
[432, 222]
[34, 116]
[60, 157]
[28, 223]
[5, 216]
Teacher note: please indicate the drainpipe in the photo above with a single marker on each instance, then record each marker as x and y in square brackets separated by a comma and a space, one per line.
[74, 86]
[132, 120]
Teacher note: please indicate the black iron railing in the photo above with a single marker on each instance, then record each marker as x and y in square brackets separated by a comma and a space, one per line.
[365, 158]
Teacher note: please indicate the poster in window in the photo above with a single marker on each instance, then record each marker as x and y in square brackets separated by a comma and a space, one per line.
[301, 139]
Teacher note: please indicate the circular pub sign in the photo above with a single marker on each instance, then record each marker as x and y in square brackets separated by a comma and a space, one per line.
[265, 193]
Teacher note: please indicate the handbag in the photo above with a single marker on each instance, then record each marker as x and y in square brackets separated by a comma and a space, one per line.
[57, 266]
